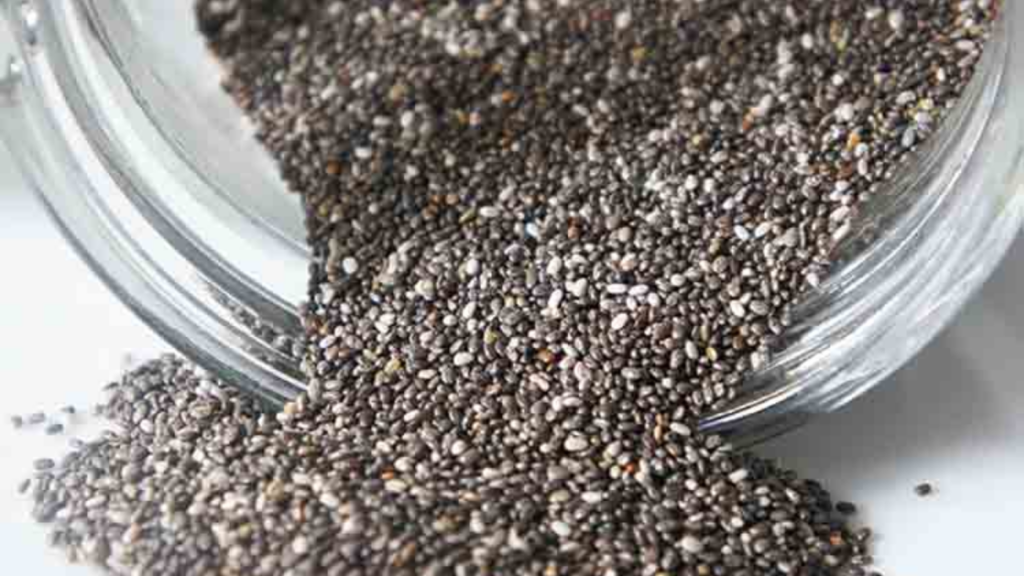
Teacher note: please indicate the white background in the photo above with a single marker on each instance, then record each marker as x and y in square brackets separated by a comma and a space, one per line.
[954, 417]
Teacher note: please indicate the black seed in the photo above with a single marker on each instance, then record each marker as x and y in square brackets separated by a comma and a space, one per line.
[924, 489]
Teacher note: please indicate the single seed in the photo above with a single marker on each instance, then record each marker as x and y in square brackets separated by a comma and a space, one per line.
[43, 464]
[846, 508]
[576, 444]
[692, 544]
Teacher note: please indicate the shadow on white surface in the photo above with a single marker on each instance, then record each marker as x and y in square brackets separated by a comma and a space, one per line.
[952, 417]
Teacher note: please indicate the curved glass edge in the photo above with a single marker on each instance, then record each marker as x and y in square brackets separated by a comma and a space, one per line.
[233, 252]
[170, 73]
[116, 240]
[909, 286]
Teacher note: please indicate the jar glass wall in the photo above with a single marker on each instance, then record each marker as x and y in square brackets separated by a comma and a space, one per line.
[113, 111]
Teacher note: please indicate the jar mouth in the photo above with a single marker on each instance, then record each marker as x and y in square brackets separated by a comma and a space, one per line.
[119, 102]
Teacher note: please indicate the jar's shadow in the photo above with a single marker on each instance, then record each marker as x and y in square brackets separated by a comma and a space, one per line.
[961, 397]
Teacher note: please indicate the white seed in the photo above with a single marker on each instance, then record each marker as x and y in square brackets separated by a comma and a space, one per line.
[906, 97]
[582, 373]
[739, 475]
[790, 238]
[681, 429]
[617, 289]
[763, 229]
[619, 322]
[639, 290]
[300, 545]
[576, 443]
[692, 544]
[623, 19]
[554, 266]
[846, 112]
[561, 529]
[691, 350]
[396, 485]
[472, 267]
[555, 300]
[425, 288]
[896, 20]
[459, 447]
[577, 288]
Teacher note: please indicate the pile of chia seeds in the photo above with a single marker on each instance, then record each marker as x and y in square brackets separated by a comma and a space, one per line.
[548, 236]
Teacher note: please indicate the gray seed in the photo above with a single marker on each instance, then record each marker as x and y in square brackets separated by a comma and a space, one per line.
[43, 464]
[576, 444]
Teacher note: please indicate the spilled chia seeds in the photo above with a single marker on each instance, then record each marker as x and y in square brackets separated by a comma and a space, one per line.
[548, 236]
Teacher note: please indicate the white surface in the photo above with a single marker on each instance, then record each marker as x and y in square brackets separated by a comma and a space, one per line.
[955, 417]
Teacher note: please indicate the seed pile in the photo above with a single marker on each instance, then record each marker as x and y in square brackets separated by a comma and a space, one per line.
[199, 482]
[547, 237]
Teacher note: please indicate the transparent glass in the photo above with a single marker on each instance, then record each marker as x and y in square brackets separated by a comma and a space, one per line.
[113, 111]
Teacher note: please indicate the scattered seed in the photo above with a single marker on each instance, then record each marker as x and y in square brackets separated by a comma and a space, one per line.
[43, 464]
[846, 508]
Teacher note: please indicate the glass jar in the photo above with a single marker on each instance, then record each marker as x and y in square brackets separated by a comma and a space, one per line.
[113, 111]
